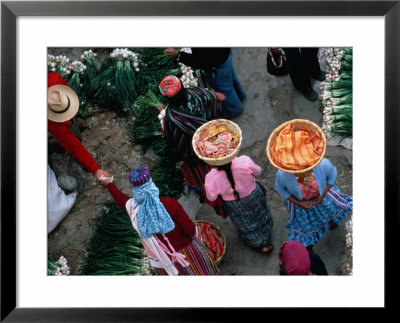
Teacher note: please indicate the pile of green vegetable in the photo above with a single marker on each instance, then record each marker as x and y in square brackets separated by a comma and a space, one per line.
[127, 84]
[115, 247]
[337, 93]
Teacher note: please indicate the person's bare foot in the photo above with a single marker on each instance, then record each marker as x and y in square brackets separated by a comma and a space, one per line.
[268, 250]
[332, 225]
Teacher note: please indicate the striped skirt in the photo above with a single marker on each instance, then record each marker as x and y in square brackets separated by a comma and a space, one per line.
[252, 217]
[200, 261]
[309, 225]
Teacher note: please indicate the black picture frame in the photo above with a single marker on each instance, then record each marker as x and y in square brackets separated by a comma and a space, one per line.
[10, 10]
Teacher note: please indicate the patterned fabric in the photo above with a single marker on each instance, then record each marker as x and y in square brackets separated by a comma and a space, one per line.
[181, 122]
[200, 261]
[309, 190]
[156, 255]
[139, 176]
[152, 217]
[309, 225]
[206, 234]
[252, 217]
[170, 86]
[297, 149]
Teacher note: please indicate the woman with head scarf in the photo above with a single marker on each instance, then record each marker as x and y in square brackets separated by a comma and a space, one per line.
[314, 203]
[294, 259]
[164, 227]
[187, 110]
[244, 200]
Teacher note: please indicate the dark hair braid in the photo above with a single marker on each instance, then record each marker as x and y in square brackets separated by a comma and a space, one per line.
[228, 171]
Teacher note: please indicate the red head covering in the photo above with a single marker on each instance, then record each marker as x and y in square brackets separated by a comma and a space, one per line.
[294, 256]
[54, 78]
[170, 86]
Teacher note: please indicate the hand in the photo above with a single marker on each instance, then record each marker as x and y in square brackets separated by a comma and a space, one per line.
[317, 200]
[171, 52]
[103, 177]
[161, 107]
[305, 204]
[220, 97]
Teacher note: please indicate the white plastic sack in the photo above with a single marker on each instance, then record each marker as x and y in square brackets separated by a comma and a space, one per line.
[58, 203]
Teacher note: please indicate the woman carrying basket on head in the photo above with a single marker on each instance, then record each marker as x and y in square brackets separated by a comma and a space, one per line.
[166, 231]
[187, 110]
[233, 179]
[306, 181]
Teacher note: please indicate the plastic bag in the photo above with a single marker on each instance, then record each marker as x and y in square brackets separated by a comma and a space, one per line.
[58, 203]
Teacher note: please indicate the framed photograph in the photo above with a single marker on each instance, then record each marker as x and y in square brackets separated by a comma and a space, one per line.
[33, 29]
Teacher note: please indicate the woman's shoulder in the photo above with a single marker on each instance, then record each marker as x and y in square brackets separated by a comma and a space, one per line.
[242, 160]
[325, 163]
[283, 176]
[214, 172]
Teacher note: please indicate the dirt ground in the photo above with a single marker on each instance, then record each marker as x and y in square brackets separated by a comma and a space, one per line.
[270, 102]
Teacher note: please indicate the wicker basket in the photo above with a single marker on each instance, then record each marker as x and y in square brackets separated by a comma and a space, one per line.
[299, 123]
[222, 160]
[220, 233]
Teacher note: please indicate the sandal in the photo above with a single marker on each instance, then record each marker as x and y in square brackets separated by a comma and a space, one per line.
[270, 248]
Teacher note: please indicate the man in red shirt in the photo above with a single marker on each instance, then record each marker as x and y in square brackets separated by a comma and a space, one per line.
[63, 104]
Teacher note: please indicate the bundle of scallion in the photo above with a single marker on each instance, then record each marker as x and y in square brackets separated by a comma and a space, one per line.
[168, 178]
[337, 94]
[115, 247]
[91, 71]
[115, 86]
[57, 268]
[77, 69]
[146, 129]
[59, 64]
[156, 66]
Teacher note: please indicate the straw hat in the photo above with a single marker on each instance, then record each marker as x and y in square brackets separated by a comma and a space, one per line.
[233, 127]
[297, 124]
[62, 103]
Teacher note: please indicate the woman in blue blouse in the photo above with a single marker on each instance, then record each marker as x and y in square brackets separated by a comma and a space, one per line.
[314, 203]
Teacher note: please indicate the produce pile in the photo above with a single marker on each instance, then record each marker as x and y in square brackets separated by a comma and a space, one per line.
[337, 93]
[57, 268]
[115, 247]
[216, 140]
[126, 83]
[348, 263]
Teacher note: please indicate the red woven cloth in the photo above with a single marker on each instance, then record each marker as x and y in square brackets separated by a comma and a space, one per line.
[211, 239]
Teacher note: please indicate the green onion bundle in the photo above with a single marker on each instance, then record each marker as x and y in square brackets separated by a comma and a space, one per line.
[115, 247]
[168, 178]
[90, 73]
[337, 94]
[156, 65]
[115, 86]
[146, 128]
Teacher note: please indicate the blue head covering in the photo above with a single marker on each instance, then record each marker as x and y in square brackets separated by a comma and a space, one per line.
[152, 216]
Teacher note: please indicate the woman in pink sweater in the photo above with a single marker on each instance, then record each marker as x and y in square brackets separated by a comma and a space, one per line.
[244, 200]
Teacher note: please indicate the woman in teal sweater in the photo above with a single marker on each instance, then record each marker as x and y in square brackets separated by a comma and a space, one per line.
[314, 203]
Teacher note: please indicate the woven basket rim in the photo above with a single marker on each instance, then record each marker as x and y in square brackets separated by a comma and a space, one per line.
[221, 234]
[219, 160]
[283, 125]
